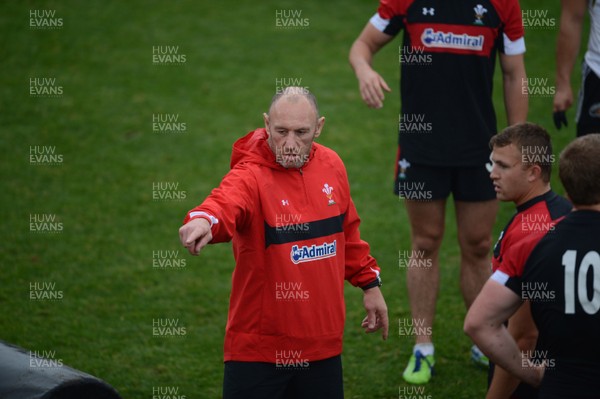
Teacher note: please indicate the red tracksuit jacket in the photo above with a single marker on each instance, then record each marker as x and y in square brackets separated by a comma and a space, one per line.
[295, 240]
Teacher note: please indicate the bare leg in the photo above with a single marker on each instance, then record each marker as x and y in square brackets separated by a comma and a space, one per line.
[427, 231]
[475, 221]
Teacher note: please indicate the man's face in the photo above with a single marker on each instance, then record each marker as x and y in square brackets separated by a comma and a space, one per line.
[512, 180]
[292, 126]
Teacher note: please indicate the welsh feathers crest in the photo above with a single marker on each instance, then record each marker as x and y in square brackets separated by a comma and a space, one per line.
[479, 12]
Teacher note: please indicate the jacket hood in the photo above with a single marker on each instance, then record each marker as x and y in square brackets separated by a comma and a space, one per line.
[254, 148]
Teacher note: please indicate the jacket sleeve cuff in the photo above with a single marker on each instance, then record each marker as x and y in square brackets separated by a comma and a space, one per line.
[211, 219]
[372, 284]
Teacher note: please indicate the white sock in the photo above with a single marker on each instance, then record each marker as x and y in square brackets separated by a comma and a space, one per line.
[476, 349]
[426, 349]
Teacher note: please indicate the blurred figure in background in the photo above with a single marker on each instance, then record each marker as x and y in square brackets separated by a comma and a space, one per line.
[567, 49]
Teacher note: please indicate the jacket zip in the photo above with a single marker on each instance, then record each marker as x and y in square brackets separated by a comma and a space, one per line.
[304, 186]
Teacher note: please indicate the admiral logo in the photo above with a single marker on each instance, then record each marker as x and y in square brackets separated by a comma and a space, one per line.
[431, 38]
[314, 252]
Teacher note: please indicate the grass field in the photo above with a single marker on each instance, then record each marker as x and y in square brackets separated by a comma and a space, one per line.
[93, 192]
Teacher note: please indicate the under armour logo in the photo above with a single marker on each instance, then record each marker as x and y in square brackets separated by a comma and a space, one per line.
[430, 11]
[285, 202]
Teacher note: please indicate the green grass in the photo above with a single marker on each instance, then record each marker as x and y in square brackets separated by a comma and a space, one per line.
[102, 191]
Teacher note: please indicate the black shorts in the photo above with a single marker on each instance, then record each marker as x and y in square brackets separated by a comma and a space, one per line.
[306, 380]
[588, 106]
[427, 183]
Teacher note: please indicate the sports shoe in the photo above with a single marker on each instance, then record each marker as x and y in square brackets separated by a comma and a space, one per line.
[479, 358]
[419, 369]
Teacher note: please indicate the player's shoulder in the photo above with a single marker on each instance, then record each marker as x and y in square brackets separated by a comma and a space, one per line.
[508, 10]
[391, 8]
[557, 205]
[504, 4]
[546, 208]
[578, 225]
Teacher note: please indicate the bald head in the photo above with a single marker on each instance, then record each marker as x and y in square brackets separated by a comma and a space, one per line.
[295, 95]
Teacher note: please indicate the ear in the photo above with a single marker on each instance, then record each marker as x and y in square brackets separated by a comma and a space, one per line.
[320, 123]
[266, 119]
[535, 173]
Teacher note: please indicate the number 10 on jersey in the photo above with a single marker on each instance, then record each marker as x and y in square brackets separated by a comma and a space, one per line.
[578, 281]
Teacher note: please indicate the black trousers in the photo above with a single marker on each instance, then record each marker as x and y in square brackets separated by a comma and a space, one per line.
[305, 380]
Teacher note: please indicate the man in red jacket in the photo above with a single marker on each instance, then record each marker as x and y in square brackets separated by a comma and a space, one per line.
[285, 204]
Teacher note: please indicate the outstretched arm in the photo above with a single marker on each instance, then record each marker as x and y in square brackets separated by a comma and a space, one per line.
[226, 207]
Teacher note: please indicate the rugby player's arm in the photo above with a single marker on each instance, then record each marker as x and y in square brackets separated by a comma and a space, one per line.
[514, 79]
[371, 84]
[484, 323]
[567, 47]
[522, 328]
